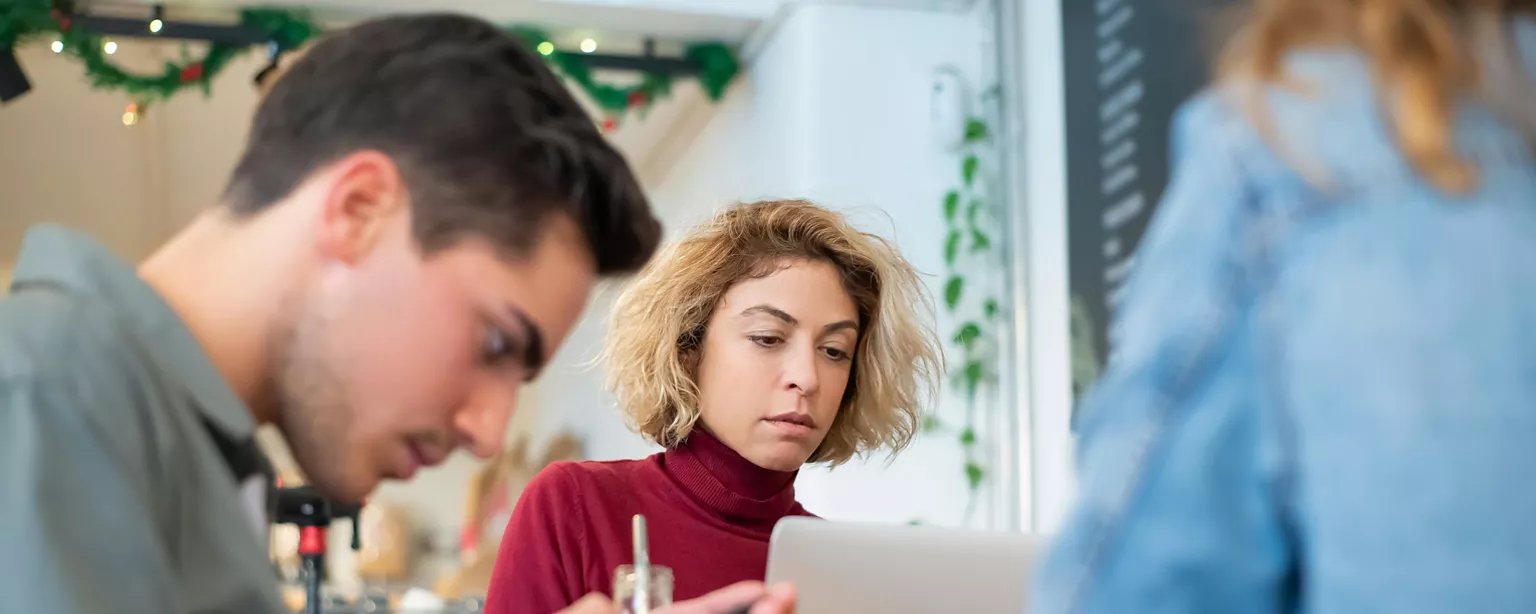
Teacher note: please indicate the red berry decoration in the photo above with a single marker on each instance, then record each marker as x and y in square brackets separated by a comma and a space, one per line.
[192, 72]
[610, 124]
[637, 98]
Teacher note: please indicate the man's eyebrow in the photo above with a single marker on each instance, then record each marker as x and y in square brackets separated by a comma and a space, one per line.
[771, 310]
[533, 343]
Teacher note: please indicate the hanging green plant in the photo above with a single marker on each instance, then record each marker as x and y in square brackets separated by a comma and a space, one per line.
[969, 254]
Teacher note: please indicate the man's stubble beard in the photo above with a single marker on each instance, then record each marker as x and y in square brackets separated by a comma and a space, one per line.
[313, 412]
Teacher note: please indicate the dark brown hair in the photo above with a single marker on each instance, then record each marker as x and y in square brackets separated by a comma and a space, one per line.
[487, 138]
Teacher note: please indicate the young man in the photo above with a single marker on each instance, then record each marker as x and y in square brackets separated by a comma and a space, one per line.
[412, 231]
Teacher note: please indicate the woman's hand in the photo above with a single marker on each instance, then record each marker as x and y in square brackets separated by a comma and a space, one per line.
[733, 599]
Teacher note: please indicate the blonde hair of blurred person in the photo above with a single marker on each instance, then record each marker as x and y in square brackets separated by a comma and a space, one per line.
[1321, 395]
[1427, 55]
[774, 335]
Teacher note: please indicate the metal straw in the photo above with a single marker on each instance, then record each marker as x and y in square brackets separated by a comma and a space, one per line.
[642, 567]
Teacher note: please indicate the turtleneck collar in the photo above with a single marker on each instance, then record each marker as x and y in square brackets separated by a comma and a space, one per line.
[724, 481]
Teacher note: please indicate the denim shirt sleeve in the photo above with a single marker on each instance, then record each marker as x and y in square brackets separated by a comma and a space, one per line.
[1178, 492]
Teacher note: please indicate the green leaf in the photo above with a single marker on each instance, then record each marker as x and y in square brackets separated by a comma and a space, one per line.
[968, 333]
[951, 205]
[973, 375]
[968, 169]
[968, 437]
[974, 371]
[951, 248]
[980, 242]
[931, 424]
[970, 213]
[974, 474]
[952, 290]
[989, 308]
[975, 130]
[915, 522]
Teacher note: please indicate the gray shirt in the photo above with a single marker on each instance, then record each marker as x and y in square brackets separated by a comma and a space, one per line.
[114, 493]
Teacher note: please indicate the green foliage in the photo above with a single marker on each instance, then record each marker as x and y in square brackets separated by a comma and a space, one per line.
[951, 248]
[718, 67]
[968, 334]
[980, 242]
[22, 19]
[976, 131]
[974, 338]
[951, 206]
[952, 289]
[931, 424]
[974, 474]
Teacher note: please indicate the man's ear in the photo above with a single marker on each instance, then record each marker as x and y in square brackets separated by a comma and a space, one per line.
[364, 195]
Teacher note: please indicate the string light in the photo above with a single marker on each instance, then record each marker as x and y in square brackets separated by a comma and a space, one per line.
[110, 47]
[546, 48]
[157, 21]
[131, 114]
[155, 25]
[57, 46]
[588, 45]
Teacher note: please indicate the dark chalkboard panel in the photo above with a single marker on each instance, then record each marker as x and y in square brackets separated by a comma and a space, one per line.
[1129, 64]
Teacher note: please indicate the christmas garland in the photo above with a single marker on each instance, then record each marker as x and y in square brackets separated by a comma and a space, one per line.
[25, 18]
[716, 62]
[21, 19]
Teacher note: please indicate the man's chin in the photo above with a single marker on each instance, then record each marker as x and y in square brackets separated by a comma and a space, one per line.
[348, 490]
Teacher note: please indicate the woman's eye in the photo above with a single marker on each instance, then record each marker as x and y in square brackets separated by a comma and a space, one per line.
[766, 341]
[497, 345]
[836, 354]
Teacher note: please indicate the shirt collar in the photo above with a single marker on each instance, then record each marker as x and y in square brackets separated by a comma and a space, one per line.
[56, 256]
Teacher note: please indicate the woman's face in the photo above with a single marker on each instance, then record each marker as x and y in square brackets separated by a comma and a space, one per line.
[775, 361]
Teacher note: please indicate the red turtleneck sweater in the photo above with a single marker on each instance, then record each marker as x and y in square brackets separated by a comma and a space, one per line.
[709, 513]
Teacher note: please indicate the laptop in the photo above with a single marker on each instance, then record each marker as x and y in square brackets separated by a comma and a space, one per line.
[843, 568]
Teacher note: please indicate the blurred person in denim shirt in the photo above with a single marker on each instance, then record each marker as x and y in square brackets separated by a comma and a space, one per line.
[1324, 399]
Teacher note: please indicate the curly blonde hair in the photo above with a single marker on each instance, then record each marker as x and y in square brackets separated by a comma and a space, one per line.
[659, 324]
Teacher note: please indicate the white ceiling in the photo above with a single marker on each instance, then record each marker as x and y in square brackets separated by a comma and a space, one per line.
[730, 21]
[620, 26]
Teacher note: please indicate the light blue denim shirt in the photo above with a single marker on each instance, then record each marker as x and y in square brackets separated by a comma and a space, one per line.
[1325, 399]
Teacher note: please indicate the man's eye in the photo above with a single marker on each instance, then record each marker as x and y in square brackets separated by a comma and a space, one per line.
[497, 345]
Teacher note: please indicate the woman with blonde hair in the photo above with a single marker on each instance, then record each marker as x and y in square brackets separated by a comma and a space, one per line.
[1324, 398]
[773, 336]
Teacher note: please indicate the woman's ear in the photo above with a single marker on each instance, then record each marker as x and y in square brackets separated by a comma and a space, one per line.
[690, 360]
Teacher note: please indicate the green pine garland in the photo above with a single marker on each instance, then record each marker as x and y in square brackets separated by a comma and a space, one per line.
[717, 62]
[24, 19]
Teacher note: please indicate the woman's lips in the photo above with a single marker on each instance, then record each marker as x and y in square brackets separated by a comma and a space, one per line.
[792, 424]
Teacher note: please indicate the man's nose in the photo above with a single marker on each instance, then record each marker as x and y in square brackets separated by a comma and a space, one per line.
[482, 423]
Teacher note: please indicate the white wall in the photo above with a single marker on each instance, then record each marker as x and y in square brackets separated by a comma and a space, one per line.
[66, 157]
[836, 109]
